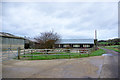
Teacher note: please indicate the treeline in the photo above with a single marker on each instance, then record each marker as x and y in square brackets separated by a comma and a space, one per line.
[109, 42]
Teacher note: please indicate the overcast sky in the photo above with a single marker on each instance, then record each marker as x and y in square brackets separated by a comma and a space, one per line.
[75, 20]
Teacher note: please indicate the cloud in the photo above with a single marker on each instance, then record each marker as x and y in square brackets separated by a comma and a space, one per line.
[71, 20]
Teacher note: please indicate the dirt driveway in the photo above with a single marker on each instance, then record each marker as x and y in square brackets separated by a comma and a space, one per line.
[60, 68]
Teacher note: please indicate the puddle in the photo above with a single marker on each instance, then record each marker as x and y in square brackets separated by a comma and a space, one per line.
[100, 69]
[107, 55]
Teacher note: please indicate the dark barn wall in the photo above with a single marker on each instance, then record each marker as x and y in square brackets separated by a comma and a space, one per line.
[27, 46]
[91, 45]
[71, 45]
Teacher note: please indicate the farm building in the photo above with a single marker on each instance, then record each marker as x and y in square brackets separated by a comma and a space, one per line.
[74, 43]
[11, 41]
[30, 43]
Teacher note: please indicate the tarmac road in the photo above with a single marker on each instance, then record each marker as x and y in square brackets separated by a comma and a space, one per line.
[89, 67]
[110, 65]
[60, 68]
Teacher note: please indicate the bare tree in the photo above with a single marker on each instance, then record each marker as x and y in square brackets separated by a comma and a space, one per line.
[47, 39]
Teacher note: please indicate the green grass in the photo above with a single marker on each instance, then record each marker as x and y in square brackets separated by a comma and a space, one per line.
[64, 56]
[103, 43]
[107, 43]
[99, 52]
[113, 47]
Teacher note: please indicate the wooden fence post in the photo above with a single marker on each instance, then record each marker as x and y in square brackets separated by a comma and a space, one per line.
[89, 52]
[24, 52]
[69, 55]
[80, 54]
[46, 53]
[58, 56]
[18, 52]
[31, 55]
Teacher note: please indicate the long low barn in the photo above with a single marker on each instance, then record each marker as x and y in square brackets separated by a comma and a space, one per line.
[11, 41]
[74, 43]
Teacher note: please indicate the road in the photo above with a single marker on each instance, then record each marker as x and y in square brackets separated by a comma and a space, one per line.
[89, 67]
[110, 64]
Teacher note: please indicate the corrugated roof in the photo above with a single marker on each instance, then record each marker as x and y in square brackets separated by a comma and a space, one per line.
[30, 39]
[75, 41]
[3, 34]
[6, 34]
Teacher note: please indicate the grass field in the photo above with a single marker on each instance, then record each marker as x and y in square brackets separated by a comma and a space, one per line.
[39, 56]
[103, 43]
[113, 47]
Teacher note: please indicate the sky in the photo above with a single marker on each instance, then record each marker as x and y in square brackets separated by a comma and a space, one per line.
[72, 20]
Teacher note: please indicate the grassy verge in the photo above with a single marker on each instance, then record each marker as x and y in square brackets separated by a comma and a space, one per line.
[62, 55]
[114, 48]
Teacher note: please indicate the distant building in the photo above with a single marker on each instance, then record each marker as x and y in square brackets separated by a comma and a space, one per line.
[30, 43]
[11, 41]
[74, 43]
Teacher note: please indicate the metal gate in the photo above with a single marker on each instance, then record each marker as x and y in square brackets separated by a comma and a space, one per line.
[9, 53]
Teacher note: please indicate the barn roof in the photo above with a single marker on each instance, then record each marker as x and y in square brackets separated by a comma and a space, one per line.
[27, 39]
[8, 35]
[75, 41]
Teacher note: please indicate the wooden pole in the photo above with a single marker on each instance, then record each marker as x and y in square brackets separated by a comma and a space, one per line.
[18, 52]
[24, 52]
[46, 53]
[88, 55]
[95, 40]
[80, 54]
[69, 56]
[31, 55]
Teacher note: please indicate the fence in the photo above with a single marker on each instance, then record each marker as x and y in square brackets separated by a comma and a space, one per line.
[18, 53]
[10, 53]
[29, 53]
